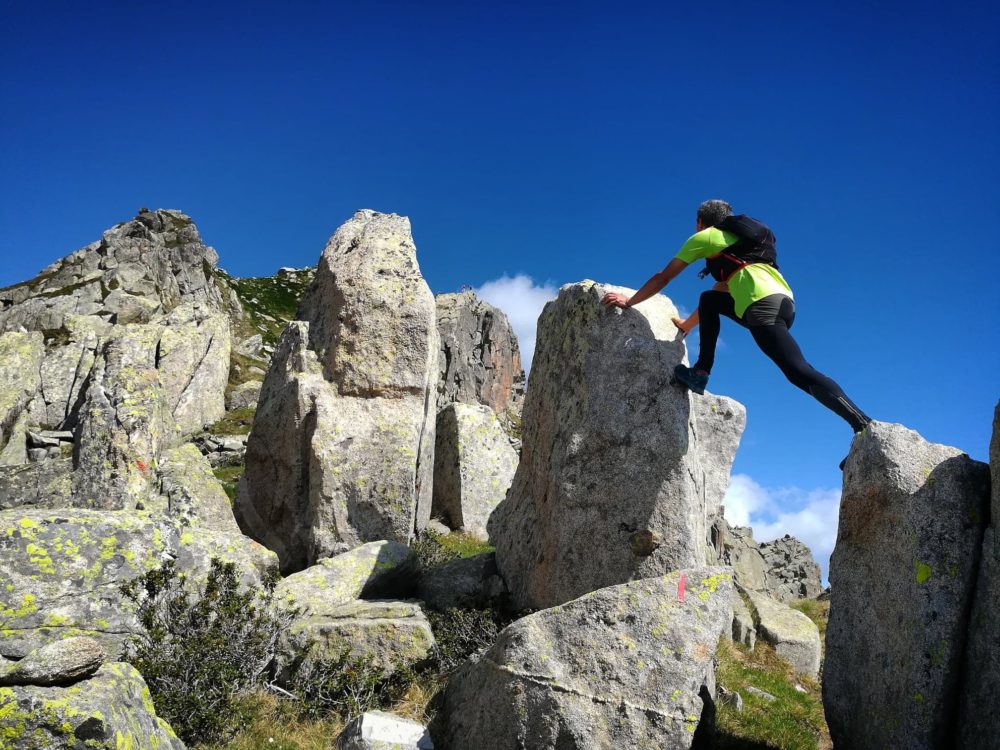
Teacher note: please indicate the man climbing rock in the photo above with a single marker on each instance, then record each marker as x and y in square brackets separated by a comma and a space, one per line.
[740, 255]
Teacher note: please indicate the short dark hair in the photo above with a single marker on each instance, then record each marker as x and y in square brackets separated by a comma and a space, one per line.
[714, 211]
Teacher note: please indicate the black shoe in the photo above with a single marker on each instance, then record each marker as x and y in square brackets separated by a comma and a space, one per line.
[691, 378]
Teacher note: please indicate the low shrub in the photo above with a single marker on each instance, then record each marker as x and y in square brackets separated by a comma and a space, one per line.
[347, 686]
[201, 648]
[462, 634]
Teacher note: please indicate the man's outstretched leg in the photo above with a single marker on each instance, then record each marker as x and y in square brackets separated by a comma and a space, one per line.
[776, 342]
[711, 307]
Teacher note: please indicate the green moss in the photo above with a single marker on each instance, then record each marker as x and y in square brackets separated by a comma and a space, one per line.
[923, 570]
[237, 422]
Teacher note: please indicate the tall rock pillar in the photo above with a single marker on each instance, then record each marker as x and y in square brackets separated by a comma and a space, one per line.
[902, 576]
[612, 485]
[342, 446]
[979, 721]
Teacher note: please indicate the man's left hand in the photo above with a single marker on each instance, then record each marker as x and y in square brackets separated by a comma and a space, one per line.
[615, 299]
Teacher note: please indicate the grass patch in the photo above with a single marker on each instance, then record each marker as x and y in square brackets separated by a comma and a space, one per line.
[236, 422]
[277, 724]
[794, 721]
[229, 476]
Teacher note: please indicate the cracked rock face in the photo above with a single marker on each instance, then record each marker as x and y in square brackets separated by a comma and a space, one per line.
[139, 316]
[902, 577]
[613, 483]
[342, 447]
[627, 666]
[480, 362]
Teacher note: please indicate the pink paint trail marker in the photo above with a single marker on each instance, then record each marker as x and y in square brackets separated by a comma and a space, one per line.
[680, 587]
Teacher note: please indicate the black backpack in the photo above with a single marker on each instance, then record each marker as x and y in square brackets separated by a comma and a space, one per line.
[756, 244]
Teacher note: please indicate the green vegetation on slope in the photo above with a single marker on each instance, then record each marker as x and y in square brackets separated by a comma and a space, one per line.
[270, 301]
[794, 721]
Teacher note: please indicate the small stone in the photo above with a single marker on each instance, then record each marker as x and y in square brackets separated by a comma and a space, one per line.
[731, 698]
[59, 663]
[760, 693]
[375, 730]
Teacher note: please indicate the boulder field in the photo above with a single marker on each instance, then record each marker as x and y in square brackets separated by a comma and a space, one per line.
[600, 486]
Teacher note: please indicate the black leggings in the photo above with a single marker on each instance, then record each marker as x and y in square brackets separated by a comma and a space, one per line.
[768, 321]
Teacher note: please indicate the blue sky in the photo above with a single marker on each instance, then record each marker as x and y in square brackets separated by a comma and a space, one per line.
[551, 142]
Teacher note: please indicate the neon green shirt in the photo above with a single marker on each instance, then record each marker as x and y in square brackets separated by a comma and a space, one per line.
[750, 283]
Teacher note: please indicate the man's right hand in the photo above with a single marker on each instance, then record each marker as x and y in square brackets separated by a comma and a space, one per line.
[615, 299]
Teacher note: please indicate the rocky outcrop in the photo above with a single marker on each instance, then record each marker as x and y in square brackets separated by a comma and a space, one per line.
[902, 575]
[126, 351]
[626, 666]
[343, 441]
[137, 270]
[375, 730]
[480, 362]
[474, 464]
[794, 636]
[151, 270]
[612, 485]
[108, 711]
[783, 568]
[792, 573]
[979, 721]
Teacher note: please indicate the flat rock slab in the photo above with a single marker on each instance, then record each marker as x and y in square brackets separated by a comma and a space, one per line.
[60, 572]
[58, 663]
[794, 636]
[622, 667]
[376, 569]
[109, 711]
[385, 634]
[902, 577]
[376, 730]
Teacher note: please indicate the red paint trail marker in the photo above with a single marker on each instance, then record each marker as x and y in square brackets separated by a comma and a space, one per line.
[680, 587]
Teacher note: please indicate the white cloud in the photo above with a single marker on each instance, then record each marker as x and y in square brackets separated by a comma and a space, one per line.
[521, 300]
[811, 516]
